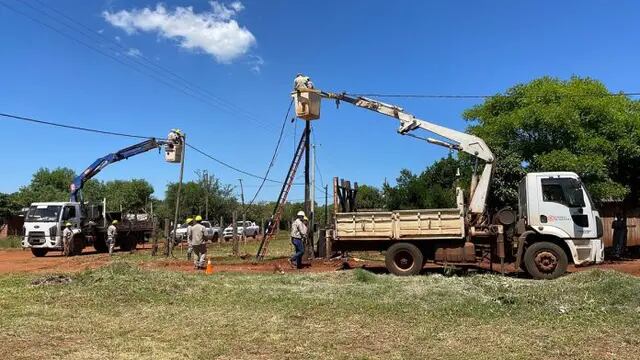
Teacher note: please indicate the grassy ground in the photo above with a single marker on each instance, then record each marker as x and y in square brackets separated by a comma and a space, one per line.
[11, 242]
[124, 312]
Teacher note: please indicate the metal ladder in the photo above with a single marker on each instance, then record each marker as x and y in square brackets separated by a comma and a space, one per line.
[274, 225]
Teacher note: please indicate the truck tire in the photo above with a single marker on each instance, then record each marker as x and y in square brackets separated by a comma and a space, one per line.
[215, 237]
[128, 243]
[545, 260]
[100, 245]
[78, 245]
[404, 259]
[39, 252]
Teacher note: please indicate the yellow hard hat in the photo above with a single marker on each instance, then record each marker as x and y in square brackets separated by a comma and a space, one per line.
[114, 222]
[306, 218]
[67, 224]
[189, 220]
[198, 218]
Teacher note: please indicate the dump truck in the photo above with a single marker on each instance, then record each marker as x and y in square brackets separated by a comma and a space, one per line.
[555, 224]
[45, 221]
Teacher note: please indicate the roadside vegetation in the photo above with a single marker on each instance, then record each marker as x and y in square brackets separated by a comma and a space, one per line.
[122, 311]
[11, 242]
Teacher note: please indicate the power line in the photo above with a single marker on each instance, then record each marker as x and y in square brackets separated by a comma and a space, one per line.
[433, 96]
[80, 128]
[189, 89]
[229, 165]
[275, 153]
[105, 132]
[189, 84]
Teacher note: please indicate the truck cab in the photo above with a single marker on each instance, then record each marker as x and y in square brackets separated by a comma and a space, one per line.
[556, 207]
[44, 223]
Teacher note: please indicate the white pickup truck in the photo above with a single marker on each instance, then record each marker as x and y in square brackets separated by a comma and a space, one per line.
[249, 228]
[211, 232]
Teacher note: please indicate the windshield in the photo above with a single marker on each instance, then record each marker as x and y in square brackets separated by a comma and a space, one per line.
[565, 191]
[43, 213]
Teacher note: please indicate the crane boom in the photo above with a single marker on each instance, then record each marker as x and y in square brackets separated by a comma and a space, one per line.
[101, 163]
[461, 141]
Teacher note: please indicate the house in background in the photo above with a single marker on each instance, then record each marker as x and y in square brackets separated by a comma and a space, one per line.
[11, 225]
[608, 210]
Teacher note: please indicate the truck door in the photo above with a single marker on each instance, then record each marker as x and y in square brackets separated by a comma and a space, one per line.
[71, 214]
[563, 203]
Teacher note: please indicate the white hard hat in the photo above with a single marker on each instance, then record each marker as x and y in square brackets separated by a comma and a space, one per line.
[300, 213]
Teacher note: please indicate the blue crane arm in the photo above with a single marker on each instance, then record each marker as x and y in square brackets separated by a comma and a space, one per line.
[101, 163]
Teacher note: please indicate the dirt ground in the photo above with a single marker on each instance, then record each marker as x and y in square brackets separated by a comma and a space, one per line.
[22, 261]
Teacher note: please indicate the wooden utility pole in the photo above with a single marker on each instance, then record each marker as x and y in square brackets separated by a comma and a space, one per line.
[221, 226]
[206, 199]
[235, 247]
[308, 248]
[326, 208]
[170, 239]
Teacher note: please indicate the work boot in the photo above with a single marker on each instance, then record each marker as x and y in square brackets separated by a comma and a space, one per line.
[110, 250]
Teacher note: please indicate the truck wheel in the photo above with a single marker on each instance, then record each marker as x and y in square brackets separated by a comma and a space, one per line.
[127, 243]
[545, 260]
[215, 237]
[255, 234]
[39, 252]
[100, 245]
[404, 259]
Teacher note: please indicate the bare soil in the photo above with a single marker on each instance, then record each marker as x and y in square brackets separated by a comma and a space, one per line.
[22, 261]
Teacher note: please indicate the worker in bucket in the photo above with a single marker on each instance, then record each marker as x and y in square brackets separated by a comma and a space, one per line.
[189, 223]
[302, 82]
[298, 233]
[112, 233]
[67, 235]
[199, 246]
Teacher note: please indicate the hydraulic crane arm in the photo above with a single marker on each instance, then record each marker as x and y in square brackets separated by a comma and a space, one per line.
[460, 141]
[101, 163]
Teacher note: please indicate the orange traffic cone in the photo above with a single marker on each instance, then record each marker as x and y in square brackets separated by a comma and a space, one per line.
[209, 270]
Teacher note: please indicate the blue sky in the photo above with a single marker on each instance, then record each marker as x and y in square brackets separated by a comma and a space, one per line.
[424, 47]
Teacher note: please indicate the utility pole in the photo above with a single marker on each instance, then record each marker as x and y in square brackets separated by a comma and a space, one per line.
[170, 239]
[205, 175]
[241, 194]
[326, 208]
[308, 250]
[312, 199]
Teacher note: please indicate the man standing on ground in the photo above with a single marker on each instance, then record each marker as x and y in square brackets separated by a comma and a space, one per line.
[199, 246]
[189, 223]
[619, 226]
[112, 233]
[67, 236]
[298, 232]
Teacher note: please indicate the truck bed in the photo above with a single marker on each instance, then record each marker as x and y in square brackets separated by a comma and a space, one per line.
[421, 224]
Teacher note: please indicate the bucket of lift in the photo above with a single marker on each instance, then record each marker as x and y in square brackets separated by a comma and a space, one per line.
[307, 104]
[174, 147]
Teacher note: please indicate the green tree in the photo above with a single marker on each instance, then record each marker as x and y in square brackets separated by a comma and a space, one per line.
[573, 125]
[369, 197]
[192, 200]
[7, 206]
[433, 188]
[46, 185]
[53, 185]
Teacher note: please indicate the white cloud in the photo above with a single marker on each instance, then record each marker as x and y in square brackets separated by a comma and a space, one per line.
[133, 52]
[215, 32]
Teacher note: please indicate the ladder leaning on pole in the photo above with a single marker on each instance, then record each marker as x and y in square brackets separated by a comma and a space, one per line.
[274, 223]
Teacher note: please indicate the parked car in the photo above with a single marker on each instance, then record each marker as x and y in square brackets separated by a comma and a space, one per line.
[249, 228]
[211, 232]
